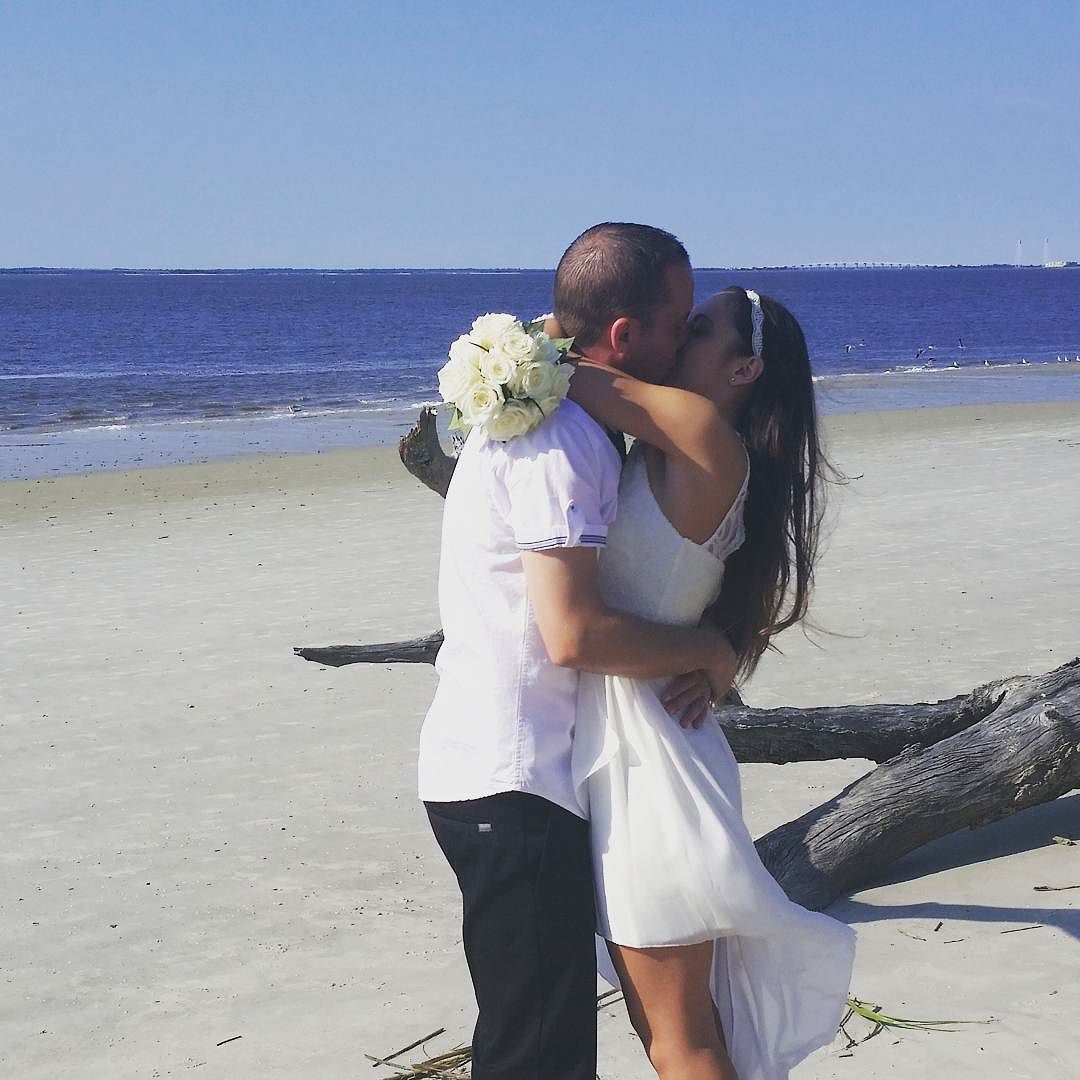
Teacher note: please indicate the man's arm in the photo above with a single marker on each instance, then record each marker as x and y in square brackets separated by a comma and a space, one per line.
[580, 631]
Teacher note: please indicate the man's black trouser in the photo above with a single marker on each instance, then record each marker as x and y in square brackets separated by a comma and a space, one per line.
[525, 872]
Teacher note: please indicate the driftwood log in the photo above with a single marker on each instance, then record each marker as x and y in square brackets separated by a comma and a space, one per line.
[943, 765]
[422, 454]
[1025, 750]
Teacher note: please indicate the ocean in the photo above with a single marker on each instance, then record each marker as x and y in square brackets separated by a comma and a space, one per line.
[116, 350]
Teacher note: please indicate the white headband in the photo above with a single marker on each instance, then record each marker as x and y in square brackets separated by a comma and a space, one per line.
[757, 317]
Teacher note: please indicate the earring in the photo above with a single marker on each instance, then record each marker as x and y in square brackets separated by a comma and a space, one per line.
[731, 381]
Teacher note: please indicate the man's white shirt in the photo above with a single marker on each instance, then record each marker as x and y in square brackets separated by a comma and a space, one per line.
[503, 714]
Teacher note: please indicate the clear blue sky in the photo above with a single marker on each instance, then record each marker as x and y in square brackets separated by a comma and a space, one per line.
[397, 133]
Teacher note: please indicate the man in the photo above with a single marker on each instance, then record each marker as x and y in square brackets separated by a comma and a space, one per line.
[523, 615]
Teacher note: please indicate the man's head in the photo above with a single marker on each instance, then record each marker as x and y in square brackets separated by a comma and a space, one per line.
[624, 293]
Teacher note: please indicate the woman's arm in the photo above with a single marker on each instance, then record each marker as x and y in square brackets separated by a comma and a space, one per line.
[677, 422]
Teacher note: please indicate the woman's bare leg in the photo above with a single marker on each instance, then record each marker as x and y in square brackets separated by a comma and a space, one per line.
[671, 1008]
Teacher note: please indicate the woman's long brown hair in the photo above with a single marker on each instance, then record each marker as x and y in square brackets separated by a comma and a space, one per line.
[767, 582]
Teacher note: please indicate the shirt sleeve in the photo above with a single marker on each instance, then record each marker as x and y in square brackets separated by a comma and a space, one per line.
[562, 492]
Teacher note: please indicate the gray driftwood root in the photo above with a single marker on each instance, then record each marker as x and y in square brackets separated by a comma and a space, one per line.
[945, 765]
[422, 454]
[1025, 752]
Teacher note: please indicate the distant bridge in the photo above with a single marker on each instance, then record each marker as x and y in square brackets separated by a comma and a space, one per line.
[863, 266]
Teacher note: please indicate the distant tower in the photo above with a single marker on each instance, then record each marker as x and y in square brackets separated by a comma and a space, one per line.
[1019, 252]
[1046, 250]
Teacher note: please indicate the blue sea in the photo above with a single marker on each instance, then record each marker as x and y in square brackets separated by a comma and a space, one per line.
[126, 349]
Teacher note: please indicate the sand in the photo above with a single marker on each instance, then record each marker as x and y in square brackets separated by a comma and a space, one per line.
[207, 838]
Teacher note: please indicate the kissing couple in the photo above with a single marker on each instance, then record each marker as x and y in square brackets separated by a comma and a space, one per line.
[594, 604]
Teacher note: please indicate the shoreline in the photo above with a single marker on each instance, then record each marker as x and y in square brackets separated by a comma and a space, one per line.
[336, 471]
[30, 454]
[86, 451]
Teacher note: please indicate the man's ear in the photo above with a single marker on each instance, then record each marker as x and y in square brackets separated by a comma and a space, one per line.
[621, 338]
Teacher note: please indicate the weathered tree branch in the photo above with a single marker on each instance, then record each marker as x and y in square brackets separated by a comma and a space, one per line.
[877, 732]
[777, 736]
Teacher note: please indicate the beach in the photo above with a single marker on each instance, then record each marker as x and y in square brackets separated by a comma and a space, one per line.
[215, 863]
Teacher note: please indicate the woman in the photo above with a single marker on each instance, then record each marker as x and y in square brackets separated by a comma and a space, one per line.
[719, 512]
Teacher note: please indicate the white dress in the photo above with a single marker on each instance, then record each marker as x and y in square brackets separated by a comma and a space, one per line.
[673, 860]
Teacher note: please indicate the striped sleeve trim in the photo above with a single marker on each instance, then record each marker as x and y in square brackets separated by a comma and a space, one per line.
[585, 540]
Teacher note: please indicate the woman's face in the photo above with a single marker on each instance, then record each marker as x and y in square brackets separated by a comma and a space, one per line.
[712, 343]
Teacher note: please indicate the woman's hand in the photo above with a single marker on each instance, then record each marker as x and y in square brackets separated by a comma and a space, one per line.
[691, 696]
[688, 698]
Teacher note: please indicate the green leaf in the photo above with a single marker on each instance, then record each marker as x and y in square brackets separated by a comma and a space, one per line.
[457, 422]
[874, 1014]
[564, 344]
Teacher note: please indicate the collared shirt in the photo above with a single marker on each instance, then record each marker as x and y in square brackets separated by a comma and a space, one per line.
[503, 714]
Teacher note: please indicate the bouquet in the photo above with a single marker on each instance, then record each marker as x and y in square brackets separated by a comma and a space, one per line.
[505, 376]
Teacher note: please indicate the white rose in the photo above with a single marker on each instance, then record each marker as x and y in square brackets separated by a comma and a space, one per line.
[514, 419]
[480, 404]
[498, 368]
[466, 350]
[534, 380]
[457, 378]
[549, 405]
[516, 344]
[487, 329]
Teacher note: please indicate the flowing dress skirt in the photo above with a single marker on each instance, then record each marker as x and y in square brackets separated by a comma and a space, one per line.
[674, 864]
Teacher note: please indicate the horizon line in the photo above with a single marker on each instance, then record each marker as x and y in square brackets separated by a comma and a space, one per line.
[503, 269]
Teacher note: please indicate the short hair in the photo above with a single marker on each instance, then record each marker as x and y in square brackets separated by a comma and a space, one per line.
[612, 270]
